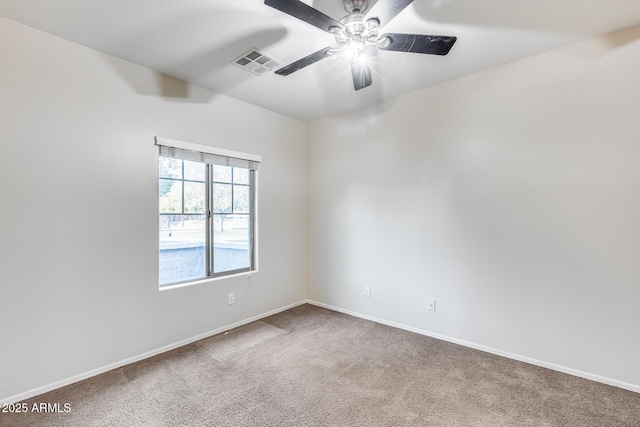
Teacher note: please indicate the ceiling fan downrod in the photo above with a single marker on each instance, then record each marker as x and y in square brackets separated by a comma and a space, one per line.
[356, 6]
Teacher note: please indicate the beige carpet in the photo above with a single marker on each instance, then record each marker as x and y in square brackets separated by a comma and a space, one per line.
[313, 367]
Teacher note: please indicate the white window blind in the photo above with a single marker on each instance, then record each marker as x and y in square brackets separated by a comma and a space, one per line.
[203, 153]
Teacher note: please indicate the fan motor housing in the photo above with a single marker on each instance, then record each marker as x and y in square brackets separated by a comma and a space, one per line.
[356, 30]
[353, 24]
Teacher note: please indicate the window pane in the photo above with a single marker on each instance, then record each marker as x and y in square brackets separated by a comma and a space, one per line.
[240, 176]
[240, 199]
[170, 168]
[182, 248]
[187, 193]
[222, 198]
[231, 249]
[194, 171]
[222, 173]
[170, 196]
[194, 197]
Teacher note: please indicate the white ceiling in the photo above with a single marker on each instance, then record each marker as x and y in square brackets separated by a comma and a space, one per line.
[196, 40]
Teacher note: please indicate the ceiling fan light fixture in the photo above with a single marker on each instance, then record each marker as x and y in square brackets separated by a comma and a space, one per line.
[350, 51]
[372, 30]
[372, 24]
[361, 59]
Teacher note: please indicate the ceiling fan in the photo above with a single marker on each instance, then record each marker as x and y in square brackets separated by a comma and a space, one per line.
[357, 35]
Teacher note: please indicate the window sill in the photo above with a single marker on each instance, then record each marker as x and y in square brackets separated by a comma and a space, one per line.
[207, 280]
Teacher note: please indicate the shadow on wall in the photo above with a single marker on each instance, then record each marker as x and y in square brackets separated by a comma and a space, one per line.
[170, 87]
[149, 82]
[605, 45]
[208, 66]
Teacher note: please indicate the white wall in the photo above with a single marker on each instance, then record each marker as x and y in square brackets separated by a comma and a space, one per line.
[511, 196]
[78, 209]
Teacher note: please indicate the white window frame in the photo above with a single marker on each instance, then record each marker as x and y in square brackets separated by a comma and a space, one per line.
[209, 155]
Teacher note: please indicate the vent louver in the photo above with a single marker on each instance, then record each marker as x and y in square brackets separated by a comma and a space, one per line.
[256, 62]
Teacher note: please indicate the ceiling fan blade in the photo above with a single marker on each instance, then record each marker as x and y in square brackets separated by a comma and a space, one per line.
[361, 75]
[307, 60]
[386, 10]
[306, 13]
[418, 43]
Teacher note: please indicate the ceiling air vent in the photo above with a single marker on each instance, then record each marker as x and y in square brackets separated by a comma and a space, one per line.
[256, 62]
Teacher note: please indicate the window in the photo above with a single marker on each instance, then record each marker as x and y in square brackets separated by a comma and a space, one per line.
[206, 212]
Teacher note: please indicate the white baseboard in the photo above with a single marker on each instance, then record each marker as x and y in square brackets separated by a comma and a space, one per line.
[76, 378]
[554, 367]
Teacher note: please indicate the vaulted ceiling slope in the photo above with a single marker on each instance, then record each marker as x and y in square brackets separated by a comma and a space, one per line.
[198, 40]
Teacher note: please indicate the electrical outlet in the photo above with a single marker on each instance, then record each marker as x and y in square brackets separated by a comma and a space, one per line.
[367, 292]
[431, 304]
[231, 298]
